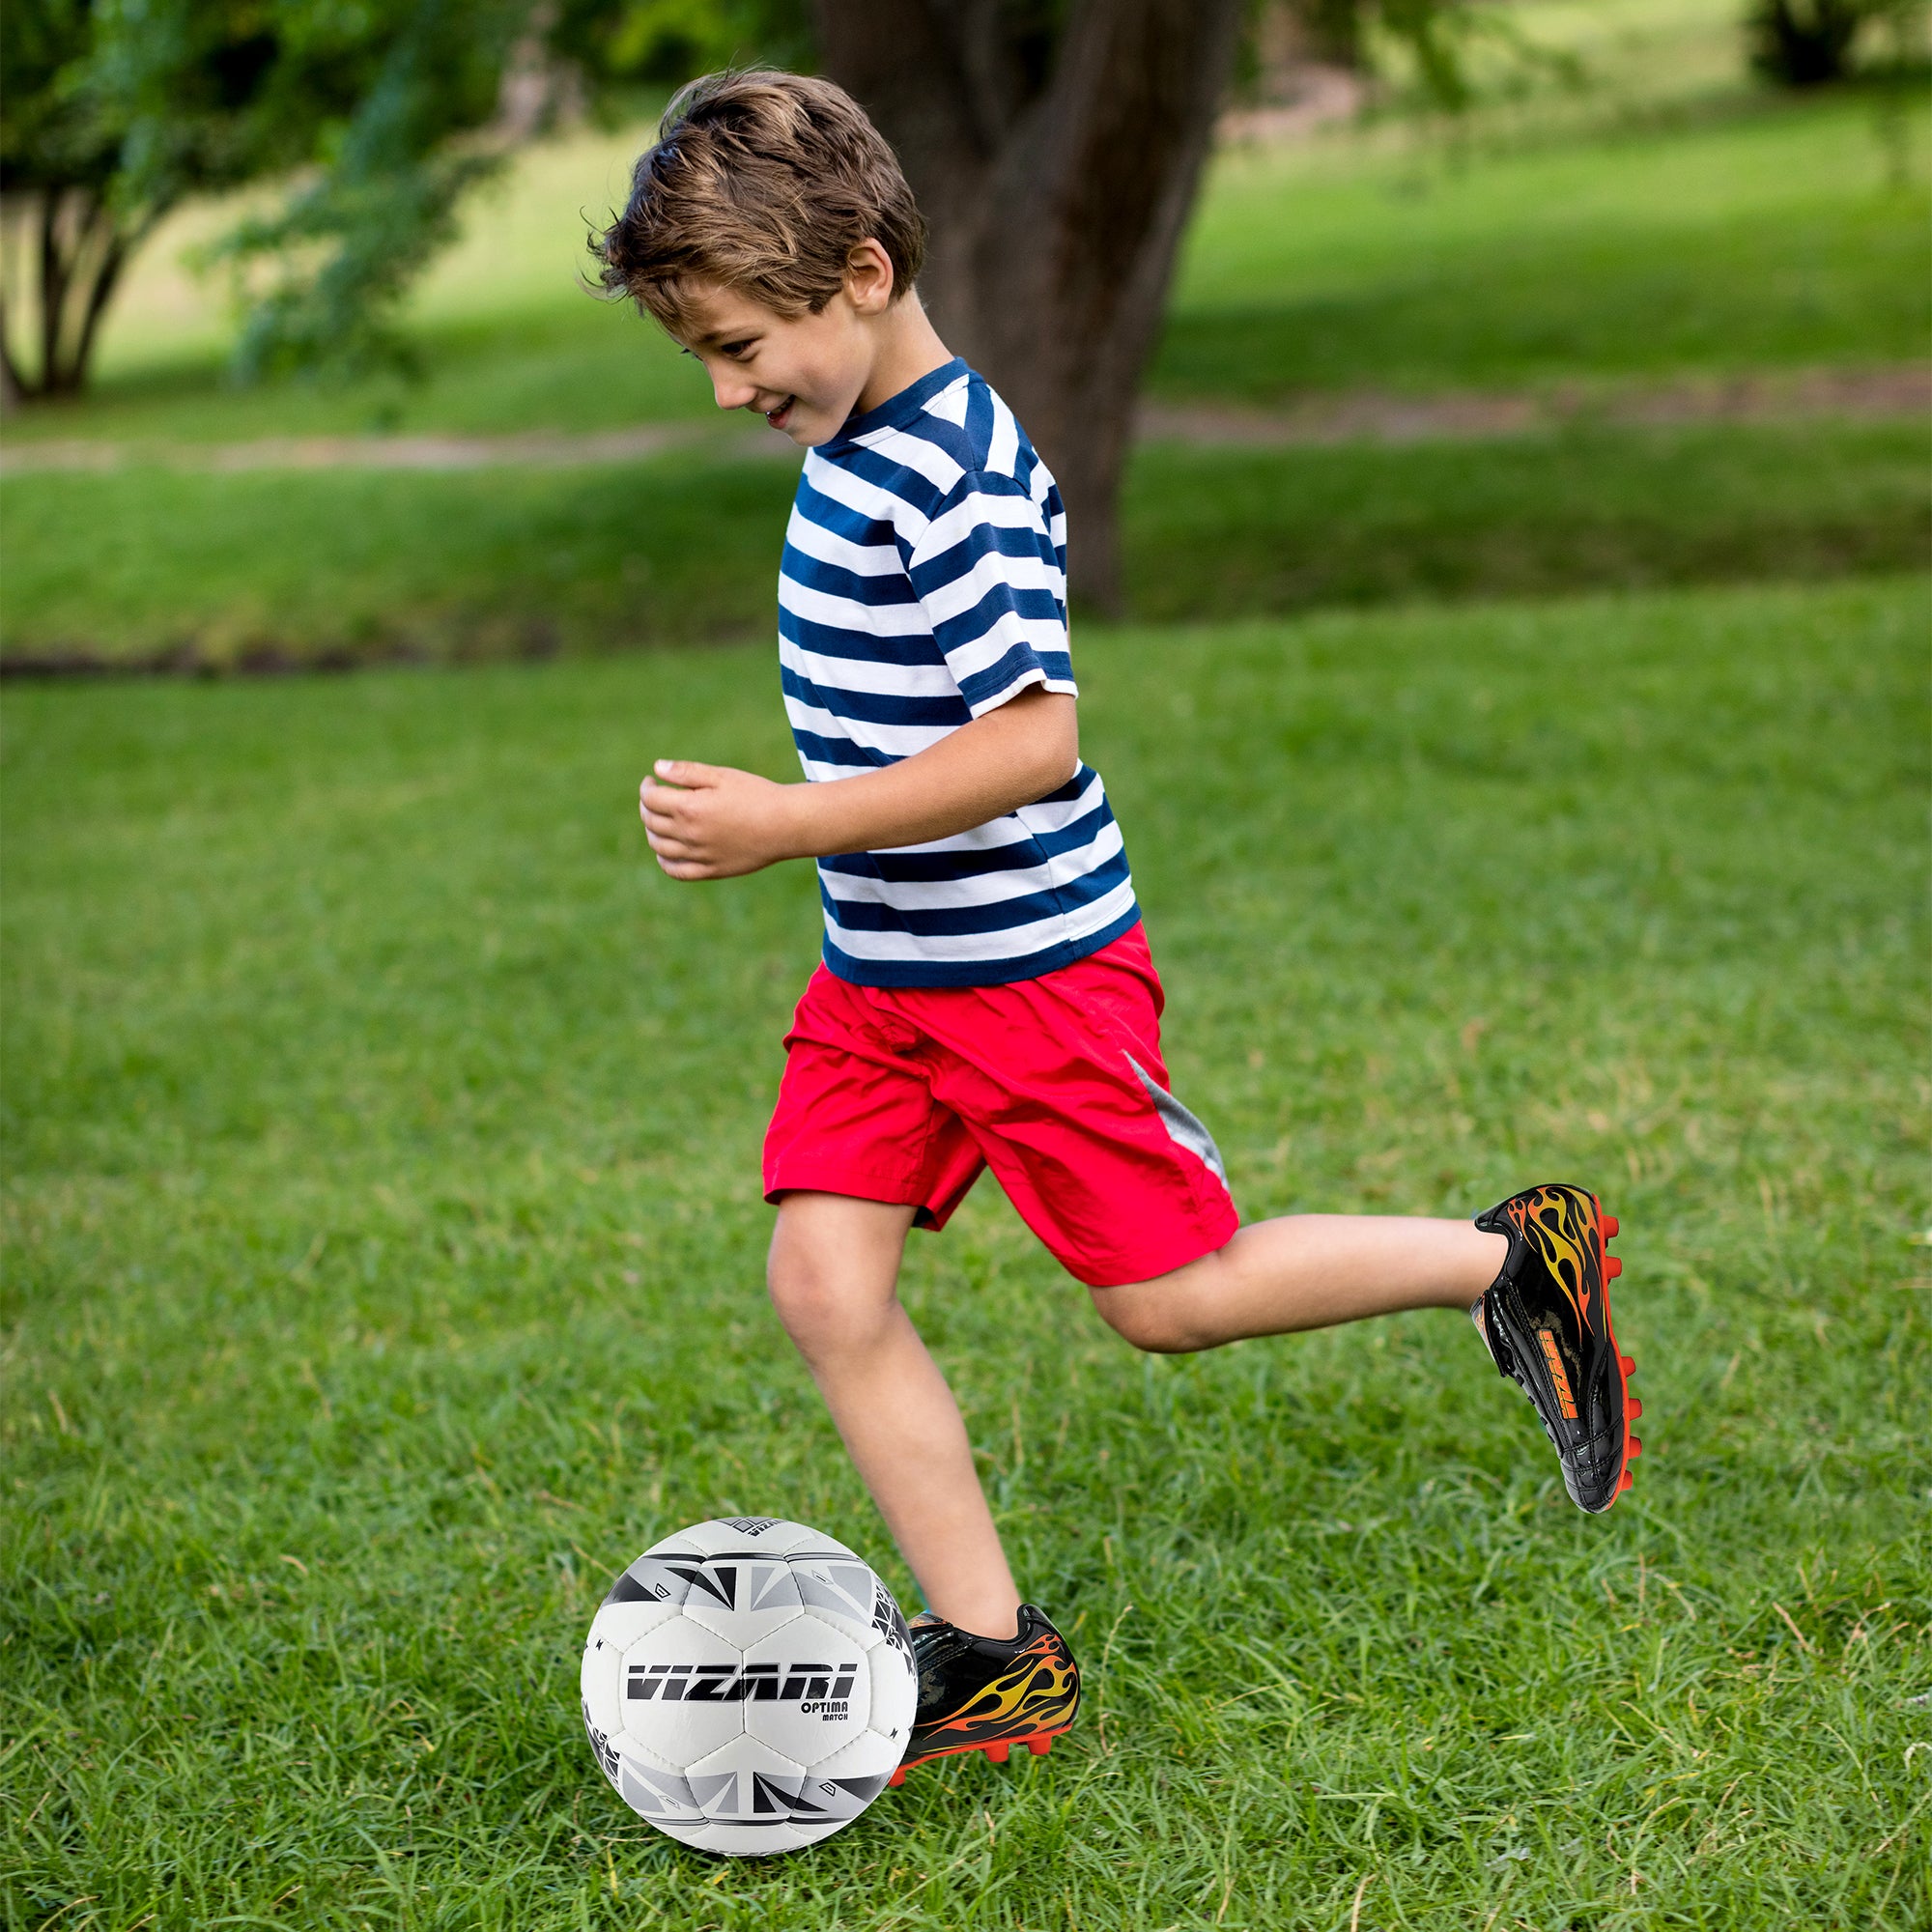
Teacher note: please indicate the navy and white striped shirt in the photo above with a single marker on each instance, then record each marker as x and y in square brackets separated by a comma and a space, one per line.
[924, 585]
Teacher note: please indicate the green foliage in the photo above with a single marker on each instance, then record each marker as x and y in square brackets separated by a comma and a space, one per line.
[664, 43]
[352, 240]
[383, 1261]
[385, 197]
[48, 129]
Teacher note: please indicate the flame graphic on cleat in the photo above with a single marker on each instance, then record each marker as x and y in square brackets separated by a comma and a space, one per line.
[981, 1694]
[1546, 1321]
[1560, 1224]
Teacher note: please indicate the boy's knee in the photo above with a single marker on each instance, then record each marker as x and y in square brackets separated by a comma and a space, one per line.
[829, 1290]
[809, 1298]
[1154, 1321]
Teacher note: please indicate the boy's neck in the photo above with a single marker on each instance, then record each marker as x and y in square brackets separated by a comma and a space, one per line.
[907, 348]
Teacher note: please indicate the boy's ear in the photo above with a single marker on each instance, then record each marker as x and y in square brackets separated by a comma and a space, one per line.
[870, 281]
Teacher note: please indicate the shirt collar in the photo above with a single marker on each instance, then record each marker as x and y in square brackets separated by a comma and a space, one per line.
[896, 411]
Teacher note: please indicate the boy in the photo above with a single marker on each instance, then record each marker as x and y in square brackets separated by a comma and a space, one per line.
[986, 997]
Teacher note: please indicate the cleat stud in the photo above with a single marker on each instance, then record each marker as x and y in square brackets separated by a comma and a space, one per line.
[1624, 1482]
[996, 1753]
[1612, 1267]
[1634, 1407]
[1040, 1747]
[897, 1778]
[1635, 1448]
[1609, 1227]
[1629, 1367]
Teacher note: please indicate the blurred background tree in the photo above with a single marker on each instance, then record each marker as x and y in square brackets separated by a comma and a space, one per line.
[112, 114]
[109, 117]
[1809, 43]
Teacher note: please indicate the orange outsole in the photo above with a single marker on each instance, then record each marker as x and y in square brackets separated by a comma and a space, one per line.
[1608, 1269]
[999, 1749]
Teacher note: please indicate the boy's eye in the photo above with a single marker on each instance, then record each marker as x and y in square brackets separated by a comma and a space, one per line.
[734, 350]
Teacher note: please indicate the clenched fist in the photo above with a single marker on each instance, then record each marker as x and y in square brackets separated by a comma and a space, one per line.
[713, 822]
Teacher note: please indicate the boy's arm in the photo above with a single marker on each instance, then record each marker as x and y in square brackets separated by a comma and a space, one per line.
[713, 822]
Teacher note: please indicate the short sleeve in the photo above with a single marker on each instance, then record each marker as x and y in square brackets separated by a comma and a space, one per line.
[989, 577]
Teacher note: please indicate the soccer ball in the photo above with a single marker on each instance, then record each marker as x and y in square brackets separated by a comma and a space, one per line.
[748, 1686]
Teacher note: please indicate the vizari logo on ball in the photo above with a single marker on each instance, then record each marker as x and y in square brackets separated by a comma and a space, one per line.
[822, 1688]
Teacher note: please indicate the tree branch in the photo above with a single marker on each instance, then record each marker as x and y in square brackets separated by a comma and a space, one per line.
[112, 261]
[53, 287]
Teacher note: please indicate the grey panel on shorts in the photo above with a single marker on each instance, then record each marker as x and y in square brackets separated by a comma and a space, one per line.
[1183, 1130]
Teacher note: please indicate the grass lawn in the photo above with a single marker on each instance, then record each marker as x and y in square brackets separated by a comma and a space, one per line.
[340, 566]
[384, 1256]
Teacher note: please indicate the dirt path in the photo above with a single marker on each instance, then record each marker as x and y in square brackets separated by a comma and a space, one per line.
[1886, 393]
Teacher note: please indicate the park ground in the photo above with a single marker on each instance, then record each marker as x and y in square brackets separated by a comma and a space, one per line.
[383, 1234]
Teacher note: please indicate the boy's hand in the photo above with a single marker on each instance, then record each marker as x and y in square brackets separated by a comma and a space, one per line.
[712, 822]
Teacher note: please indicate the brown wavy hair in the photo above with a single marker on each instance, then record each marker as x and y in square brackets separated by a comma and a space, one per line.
[763, 183]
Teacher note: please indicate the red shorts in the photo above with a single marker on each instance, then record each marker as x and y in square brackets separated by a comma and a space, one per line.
[904, 1094]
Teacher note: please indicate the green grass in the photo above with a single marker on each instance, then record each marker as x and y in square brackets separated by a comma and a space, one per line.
[384, 1257]
[143, 565]
[1774, 236]
[1769, 238]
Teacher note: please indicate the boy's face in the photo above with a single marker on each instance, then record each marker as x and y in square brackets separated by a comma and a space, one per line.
[804, 374]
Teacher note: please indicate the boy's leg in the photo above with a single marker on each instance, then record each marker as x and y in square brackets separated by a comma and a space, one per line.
[1306, 1272]
[834, 1277]
[1533, 1270]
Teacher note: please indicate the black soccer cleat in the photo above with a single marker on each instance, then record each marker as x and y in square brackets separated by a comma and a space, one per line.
[979, 1694]
[1547, 1320]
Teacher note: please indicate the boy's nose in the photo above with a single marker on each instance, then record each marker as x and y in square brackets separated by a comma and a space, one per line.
[732, 395]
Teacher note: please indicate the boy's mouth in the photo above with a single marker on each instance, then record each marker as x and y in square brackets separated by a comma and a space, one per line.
[780, 416]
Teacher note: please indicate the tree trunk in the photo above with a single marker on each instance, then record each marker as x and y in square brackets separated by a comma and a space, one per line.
[81, 249]
[1056, 174]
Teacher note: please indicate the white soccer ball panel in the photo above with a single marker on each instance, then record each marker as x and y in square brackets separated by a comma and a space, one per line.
[767, 1535]
[816, 1542]
[812, 1834]
[894, 1694]
[758, 1801]
[679, 1692]
[808, 1689]
[785, 1539]
[600, 1683]
[863, 1767]
[678, 1544]
[743, 1599]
